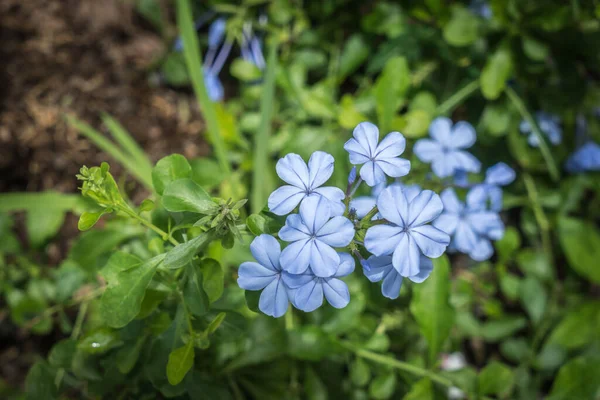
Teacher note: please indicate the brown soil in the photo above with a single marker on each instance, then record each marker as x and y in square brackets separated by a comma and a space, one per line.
[81, 57]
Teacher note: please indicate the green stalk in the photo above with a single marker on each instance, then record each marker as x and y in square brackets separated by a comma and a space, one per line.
[191, 53]
[457, 98]
[261, 151]
[520, 106]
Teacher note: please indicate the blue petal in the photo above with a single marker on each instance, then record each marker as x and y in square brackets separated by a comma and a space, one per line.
[336, 198]
[294, 281]
[295, 258]
[294, 229]
[406, 257]
[500, 174]
[253, 276]
[391, 146]
[382, 240]
[283, 200]
[315, 212]
[266, 250]
[440, 129]
[465, 238]
[310, 296]
[393, 205]
[216, 32]
[424, 208]
[443, 166]
[495, 197]
[372, 174]
[487, 223]
[337, 232]
[273, 299]
[427, 150]
[446, 222]
[461, 178]
[426, 266]
[411, 191]
[431, 241]
[293, 170]
[392, 283]
[214, 87]
[367, 135]
[320, 168]
[465, 161]
[346, 265]
[336, 292]
[482, 250]
[477, 198]
[451, 202]
[463, 135]
[394, 167]
[358, 155]
[324, 260]
[380, 267]
[362, 205]
[586, 158]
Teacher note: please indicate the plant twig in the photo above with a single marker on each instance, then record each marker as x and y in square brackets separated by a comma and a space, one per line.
[453, 101]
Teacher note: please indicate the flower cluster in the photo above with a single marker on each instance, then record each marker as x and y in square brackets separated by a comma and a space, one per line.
[394, 226]
[549, 124]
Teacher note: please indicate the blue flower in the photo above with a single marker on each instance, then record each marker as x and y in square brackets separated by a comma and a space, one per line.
[408, 235]
[481, 8]
[266, 275]
[379, 159]
[472, 227]
[586, 158]
[490, 190]
[312, 235]
[309, 288]
[363, 204]
[446, 152]
[382, 269]
[216, 32]
[304, 182]
[549, 124]
[251, 47]
[213, 84]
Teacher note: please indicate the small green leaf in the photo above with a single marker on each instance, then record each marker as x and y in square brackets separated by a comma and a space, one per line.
[360, 373]
[383, 386]
[577, 379]
[195, 296]
[182, 254]
[42, 224]
[354, 53]
[534, 49]
[128, 355]
[309, 343]
[314, 386]
[578, 327]
[62, 353]
[147, 205]
[187, 195]
[206, 172]
[39, 384]
[496, 378]
[580, 241]
[510, 242]
[169, 169]
[533, 298]
[87, 220]
[215, 323]
[496, 72]
[462, 29]
[244, 70]
[349, 116]
[99, 341]
[212, 279]
[417, 123]
[257, 224]
[389, 90]
[422, 390]
[252, 298]
[494, 331]
[181, 360]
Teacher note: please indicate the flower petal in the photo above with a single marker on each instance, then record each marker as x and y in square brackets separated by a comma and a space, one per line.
[253, 276]
[367, 136]
[380, 267]
[294, 229]
[284, 199]
[482, 250]
[273, 299]
[446, 222]
[294, 281]
[382, 240]
[411, 191]
[406, 257]
[358, 155]
[372, 174]
[465, 238]
[392, 283]
[320, 168]
[266, 250]
[336, 198]
[324, 260]
[500, 174]
[424, 208]
[463, 135]
[440, 130]
[310, 296]
[362, 205]
[426, 266]
[465, 161]
[391, 146]
[477, 197]
[443, 166]
[451, 202]
[394, 167]
[346, 265]
[315, 211]
[487, 223]
[293, 170]
[392, 205]
[337, 232]
[427, 150]
[336, 292]
[431, 241]
[295, 258]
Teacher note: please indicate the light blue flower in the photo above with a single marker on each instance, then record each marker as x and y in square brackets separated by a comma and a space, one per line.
[382, 269]
[305, 182]
[213, 85]
[481, 8]
[378, 159]
[472, 227]
[312, 235]
[446, 150]
[549, 124]
[408, 235]
[216, 32]
[490, 190]
[251, 47]
[363, 204]
[309, 289]
[266, 275]
[586, 158]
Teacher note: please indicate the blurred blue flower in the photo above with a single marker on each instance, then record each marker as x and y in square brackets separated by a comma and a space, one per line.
[408, 235]
[472, 227]
[379, 159]
[216, 32]
[382, 269]
[481, 8]
[586, 158]
[304, 182]
[446, 150]
[312, 235]
[363, 204]
[309, 288]
[461, 178]
[490, 190]
[251, 47]
[549, 125]
[266, 275]
[213, 85]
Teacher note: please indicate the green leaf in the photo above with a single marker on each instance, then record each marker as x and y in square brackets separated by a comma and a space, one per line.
[417, 123]
[389, 90]
[533, 298]
[580, 241]
[147, 205]
[496, 119]
[244, 70]
[383, 386]
[431, 308]
[42, 224]
[577, 379]
[122, 300]
[496, 72]
[128, 355]
[578, 327]
[62, 353]
[181, 360]
[360, 373]
[354, 53]
[536, 264]
[215, 323]
[535, 49]
[494, 331]
[252, 298]
[187, 195]
[99, 341]
[174, 69]
[193, 292]
[182, 254]
[206, 173]
[462, 29]
[314, 386]
[170, 169]
[496, 378]
[212, 279]
[257, 224]
[309, 343]
[87, 220]
[422, 390]
[39, 384]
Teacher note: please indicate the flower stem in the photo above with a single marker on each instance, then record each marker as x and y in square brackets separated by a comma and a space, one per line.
[164, 235]
[457, 98]
[540, 216]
